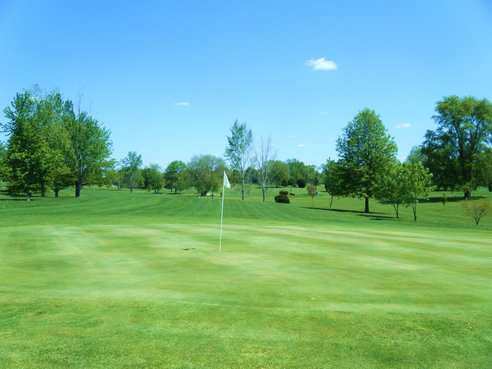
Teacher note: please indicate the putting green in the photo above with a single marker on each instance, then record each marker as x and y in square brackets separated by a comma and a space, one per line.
[131, 291]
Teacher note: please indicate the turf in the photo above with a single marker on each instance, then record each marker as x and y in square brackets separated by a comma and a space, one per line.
[114, 280]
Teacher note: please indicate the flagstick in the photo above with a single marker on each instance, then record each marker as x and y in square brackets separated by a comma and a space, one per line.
[221, 218]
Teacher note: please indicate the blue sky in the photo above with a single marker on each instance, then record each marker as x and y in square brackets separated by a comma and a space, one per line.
[169, 78]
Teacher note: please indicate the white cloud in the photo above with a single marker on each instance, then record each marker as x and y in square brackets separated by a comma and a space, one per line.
[301, 145]
[291, 136]
[321, 64]
[183, 103]
[403, 125]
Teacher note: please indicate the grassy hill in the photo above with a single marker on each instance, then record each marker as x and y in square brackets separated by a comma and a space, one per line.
[120, 280]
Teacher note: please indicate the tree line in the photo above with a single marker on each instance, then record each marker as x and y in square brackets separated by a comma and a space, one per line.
[51, 145]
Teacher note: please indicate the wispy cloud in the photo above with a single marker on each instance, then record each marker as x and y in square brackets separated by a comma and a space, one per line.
[403, 125]
[323, 113]
[301, 145]
[321, 64]
[291, 136]
[183, 103]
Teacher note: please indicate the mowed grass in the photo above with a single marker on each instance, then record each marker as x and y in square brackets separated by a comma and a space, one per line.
[114, 280]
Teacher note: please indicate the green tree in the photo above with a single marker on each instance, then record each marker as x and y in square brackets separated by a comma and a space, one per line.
[482, 172]
[312, 191]
[175, 176]
[452, 150]
[3, 171]
[205, 173]
[130, 168]
[297, 175]
[393, 187]
[153, 178]
[112, 177]
[418, 185]
[332, 173]
[28, 154]
[239, 149]
[311, 174]
[365, 151]
[415, 155]
[252, 175]
[279, 173]
[477, 209]
[51, 112]
[405, 184]
[90, 148]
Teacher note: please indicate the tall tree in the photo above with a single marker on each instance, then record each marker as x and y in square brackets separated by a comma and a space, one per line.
[2, 155]
[365, 151]
[464, 131]
[28, 154]
[297, 175]
[153, 178]
[405, 184]
[90, 148]
[205, 173]
[130, 167]
[390, 189]
[263, 159]
[332, 172]
[50, 113]
[482, 172]
[417, 183]
[279, 173]
[175, 176]
[239, 148]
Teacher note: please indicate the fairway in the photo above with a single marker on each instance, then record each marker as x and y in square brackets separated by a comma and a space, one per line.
[115, 280]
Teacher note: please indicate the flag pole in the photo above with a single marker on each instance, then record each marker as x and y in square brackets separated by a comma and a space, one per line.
[221, 216]
[221, 220]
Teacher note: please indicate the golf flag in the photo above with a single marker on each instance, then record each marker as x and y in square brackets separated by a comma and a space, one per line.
[225, 185]
[226, 181]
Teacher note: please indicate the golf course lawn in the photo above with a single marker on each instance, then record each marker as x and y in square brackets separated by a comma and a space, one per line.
[114, 280]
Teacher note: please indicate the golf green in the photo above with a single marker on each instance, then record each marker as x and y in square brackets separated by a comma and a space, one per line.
[115, 280]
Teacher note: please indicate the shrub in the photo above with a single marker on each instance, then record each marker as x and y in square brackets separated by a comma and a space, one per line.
[282, 197]
[301, 183]
[477, 209]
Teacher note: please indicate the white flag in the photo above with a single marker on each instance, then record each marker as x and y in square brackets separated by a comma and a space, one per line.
[226, 181]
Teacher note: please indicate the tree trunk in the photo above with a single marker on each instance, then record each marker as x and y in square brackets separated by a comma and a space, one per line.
[78, 188]
[467, 195]
[331, 201]
[28, 196]
[414, 209]
[397, 210]
[43, 190]
[366, 208]
[56, 191]
[263, 193]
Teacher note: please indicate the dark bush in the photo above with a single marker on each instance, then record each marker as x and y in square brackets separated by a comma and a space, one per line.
[301, 183]
[282, 197]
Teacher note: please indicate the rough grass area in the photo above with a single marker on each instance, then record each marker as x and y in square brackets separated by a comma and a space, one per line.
[115, 280]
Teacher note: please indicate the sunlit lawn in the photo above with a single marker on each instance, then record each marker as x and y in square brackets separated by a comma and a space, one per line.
[115, 280]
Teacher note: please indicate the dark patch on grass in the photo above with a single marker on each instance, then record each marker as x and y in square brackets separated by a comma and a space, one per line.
[438, 199]
[342, 210]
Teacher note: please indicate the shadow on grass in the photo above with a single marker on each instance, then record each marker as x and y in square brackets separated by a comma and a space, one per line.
[13, 197]
[373, 216]
[343, 211]
[438, 199]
